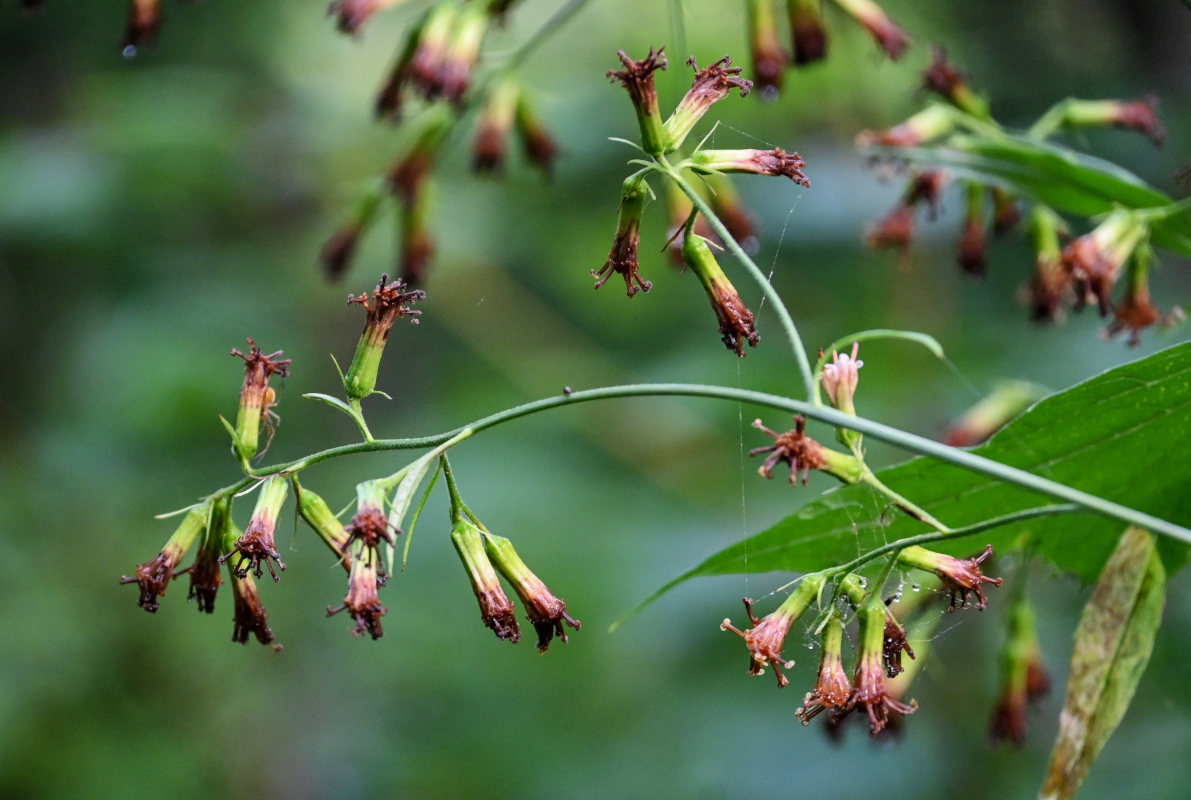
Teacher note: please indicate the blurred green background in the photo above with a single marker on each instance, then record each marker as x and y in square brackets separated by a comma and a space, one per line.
[154, 212]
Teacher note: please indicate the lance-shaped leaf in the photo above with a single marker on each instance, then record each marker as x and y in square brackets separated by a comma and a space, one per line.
[1112, 647]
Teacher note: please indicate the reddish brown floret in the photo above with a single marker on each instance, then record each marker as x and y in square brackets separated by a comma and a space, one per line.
[389, 303]
[1093, 274]
[637, 76]
[205, 579]
[961, 576]
[941, 77]
[255, 546]
[794, 448]
[249, 616]
[547, 613]
[972, 255]
[810, 38]
[894, 644]
[831, 692]
[713, 83]
[337, 253]
[736, 320]
[152, 578]
[895, 231]
[764, 641]
[778, 162]
[1142, 116]
[870, 691]
[622, 260]
[363, 603]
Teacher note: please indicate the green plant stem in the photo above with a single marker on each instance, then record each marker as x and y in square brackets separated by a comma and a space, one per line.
[767, 288]
[885, 433]
[358, 416]
[906, 505]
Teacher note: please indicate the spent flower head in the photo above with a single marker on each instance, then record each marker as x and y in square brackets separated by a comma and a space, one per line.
[256, 397]
[622, 258]
[765, 47]
[545, 611]
[249, 617]
[154, 575]
[389, 302]
[833, 687]
[766, 636]
[807, 32]
[802, 454]
[776, 162]
[1095, 259]
[735, 318]
[256, 544]
[144, 21]
[496, 609]
[637, 79]
[362, 601]
[960, 576]
[891, 38]
[712, 84]
[869, 688]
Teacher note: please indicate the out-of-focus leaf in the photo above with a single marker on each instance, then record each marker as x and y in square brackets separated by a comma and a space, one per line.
[1058, 177]
[1112, 647]
[1119, 435]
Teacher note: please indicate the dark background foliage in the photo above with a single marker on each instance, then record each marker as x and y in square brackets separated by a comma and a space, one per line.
[155, 212]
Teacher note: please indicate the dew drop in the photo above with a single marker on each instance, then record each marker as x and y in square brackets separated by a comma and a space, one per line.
[810, 646]
[863, 583]
[129, 51]
[916, 587]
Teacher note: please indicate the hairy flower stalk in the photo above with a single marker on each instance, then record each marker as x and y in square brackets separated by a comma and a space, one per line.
[765, 47]
[1024, 678]
[766, 636]
[802, 454]
[1095, 259]
[833, 687]
[540, 147]
[808, 35]
[973, 240]
[496, 609]
[637, 79]
[362, 601]
[735, 319]
[545, 611]
[775, 162]
[389, 302]
[319, 516]
[891, 38]
[256, 397]
[960, 576]
[154, 575]
[622, 258]
[869, 688]
[712, 84]
[257, 544]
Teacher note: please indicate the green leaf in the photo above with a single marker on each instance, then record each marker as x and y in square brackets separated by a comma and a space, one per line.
[1120, 435]
[334, 402]
[1056, 176]
[1112, 647]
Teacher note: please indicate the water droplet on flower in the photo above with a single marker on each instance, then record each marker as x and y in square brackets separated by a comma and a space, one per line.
[916, 587]
[810, 646]
[129, 51]
[863, 583]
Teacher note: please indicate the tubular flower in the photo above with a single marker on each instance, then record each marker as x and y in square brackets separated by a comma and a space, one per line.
[1051, 283]
[930, 123]
[769, 59]
[205, 579]
[711, 85]
[433, 40]
[370, 525]
[622, 258]
[154, 575]
[544, 610]
[896, 230]
[256, 397]
[350, 15]
[803, 454]
[868, 685]
[949, 83]
[1139, 115]
[765, 639]
[892, 39]
[144, 21]
[637, 79]
[389, 303]
[986, 417]
[1095, 259]
[257, 544]
[840, 378]
[973, 240]
[959, 575]
[735, 319]
[362, 600]
[540, 147]
[463, 51]
[1024, 678]
[807, 31]
[833, 688]
[775, 162]
[249, 617]
[1006, 214]
[1136, 311]
[496, 609]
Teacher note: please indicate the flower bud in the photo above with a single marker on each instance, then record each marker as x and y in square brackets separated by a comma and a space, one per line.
[802, 454]
[491, 144]
[256, 397]
[833, 687]
[540, 147]
[319, 516]
[622, 258]
[949, 83]
[982, 420]
[807, 31]
[765, 47]
[154, 576]
[775, 162]
[384, 308]
[840, 379]
[546, 612]
[637, 78]
[735, 319]
[495, 607]
[711, 85]
[892, 39]
[765, 639]
[257, 542]
[1095, 259]
[1023, 677]
[959, 575]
